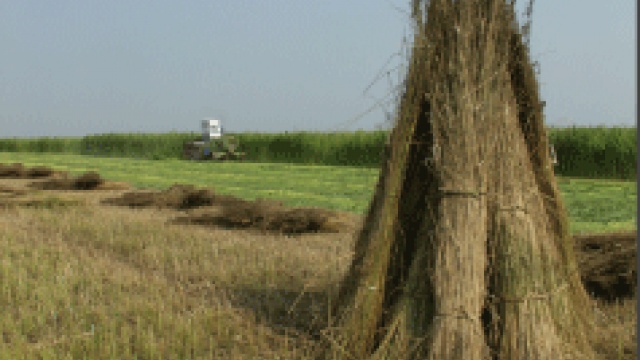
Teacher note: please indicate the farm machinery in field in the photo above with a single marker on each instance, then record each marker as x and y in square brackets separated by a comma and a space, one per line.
[214, 145]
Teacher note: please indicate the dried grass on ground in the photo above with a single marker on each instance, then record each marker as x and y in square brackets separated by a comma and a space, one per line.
[273, 290]
[222, 211]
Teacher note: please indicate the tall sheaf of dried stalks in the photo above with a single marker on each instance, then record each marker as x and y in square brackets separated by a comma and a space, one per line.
[465, 252]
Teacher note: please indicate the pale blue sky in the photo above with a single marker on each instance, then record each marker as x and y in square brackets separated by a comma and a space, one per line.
[71, 68]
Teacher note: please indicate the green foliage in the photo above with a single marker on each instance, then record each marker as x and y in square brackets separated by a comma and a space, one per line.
[582, 152]
[140, 146]
[596, 152]
[42, 145]
[353, 149]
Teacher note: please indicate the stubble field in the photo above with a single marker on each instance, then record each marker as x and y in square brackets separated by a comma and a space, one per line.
[86, 279]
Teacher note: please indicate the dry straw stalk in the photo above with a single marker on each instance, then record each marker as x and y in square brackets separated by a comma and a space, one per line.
[465, 251]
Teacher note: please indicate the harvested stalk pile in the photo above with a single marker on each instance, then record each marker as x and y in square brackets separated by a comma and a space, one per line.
[178, 196]
[234, 213]
[18, 170]
[87, 181]
[267, 216]
[11, 171]
[608, 264]
[39, 172]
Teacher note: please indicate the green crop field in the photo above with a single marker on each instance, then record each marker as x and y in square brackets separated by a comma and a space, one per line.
[592, 152]
[593, 205]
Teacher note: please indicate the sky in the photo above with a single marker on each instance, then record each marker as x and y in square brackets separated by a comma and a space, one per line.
[73, 68]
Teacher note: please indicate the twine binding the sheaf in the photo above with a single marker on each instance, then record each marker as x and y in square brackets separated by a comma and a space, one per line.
[444, 192]
[461, 313]
[529, 296]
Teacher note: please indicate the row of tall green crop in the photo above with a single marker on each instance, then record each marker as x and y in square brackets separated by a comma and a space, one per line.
[582, 152]
[70, 145]
[596, 152]
[358, 148]
[143, 146]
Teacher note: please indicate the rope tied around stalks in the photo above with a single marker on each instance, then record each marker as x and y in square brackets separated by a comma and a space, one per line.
[444, 192]
[529, 296]
[513, 208]
[458, 313]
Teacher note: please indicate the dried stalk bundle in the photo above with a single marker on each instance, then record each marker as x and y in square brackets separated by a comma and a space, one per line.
[465, 252]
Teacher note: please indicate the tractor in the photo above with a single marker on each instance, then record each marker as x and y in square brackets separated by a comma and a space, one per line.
[213, 145]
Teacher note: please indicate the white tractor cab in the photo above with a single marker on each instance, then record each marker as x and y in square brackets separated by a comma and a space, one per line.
[211, 129]
[213, 145]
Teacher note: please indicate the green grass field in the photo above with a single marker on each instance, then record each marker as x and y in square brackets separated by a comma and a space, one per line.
[594, 205]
